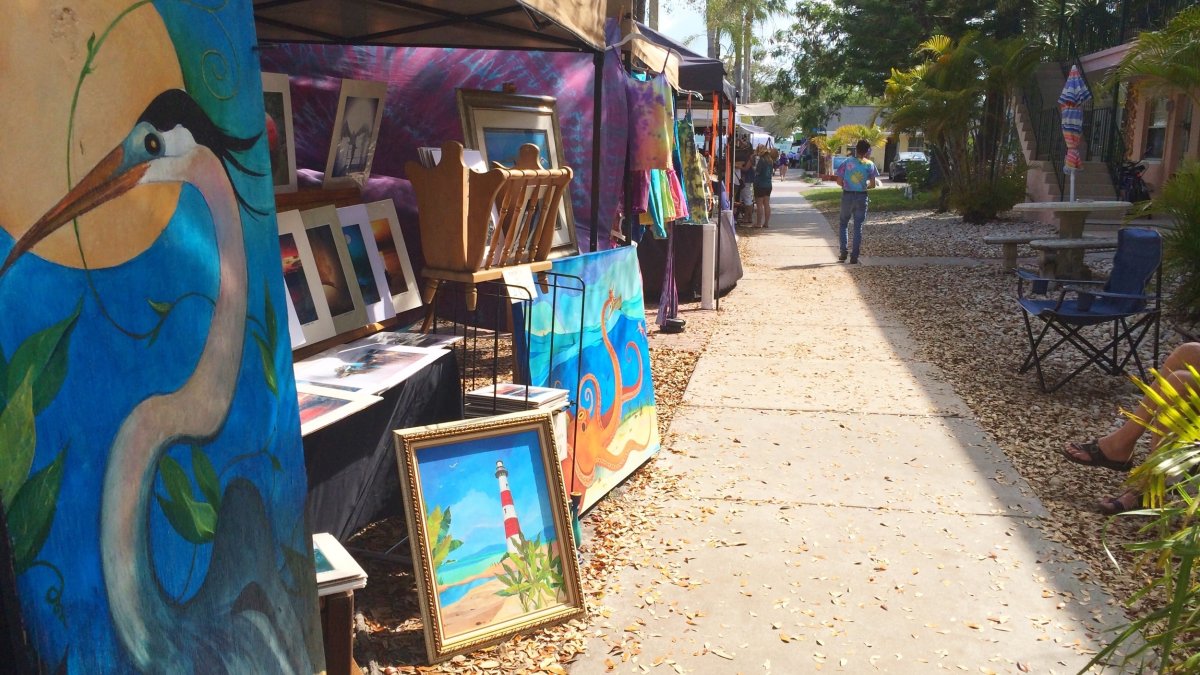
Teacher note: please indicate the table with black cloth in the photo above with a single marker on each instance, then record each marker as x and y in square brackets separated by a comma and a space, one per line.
[353, 479]
[689, 245]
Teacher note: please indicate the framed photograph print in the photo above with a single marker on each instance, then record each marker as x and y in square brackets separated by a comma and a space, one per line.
[320, 407]
[355, 133]
[498, 124]
[339, 288]
[364, 368]
[281, 143]
[397, 269]
[367, 263]
[490, 532]
[301, 280]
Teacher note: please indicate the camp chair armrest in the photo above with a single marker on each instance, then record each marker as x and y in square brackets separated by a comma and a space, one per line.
[1117, 296]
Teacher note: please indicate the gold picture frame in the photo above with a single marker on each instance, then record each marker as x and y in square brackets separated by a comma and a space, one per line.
[501, 478]
[498, 124]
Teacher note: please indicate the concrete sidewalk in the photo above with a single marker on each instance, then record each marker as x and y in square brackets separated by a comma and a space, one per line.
[844, 511]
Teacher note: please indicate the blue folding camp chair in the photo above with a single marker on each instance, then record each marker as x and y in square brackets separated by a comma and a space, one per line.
[1125, 302]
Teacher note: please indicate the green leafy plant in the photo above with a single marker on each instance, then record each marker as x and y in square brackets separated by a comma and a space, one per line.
[1169, 544]
[437, 524]
[535, 575]
[1179, 199]
[918, 175]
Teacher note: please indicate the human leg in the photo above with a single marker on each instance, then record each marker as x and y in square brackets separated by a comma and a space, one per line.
[1119, 445]
[843, 219]
[859, 214]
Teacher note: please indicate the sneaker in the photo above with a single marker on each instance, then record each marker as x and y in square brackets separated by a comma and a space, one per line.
[842, 257]
[854, 261]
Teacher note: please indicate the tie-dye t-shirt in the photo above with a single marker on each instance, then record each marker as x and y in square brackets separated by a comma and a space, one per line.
[856, 174]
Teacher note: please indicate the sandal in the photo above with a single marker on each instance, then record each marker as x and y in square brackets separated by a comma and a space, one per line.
[1111, 506]
[1096, 456]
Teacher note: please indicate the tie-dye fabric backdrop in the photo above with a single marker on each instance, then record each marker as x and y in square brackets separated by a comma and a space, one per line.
[422, 110]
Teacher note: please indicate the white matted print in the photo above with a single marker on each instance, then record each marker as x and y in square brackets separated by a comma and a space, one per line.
[281, 141]
[367, 369]
[320, 407]
[355, 133]
[295, 330]
[367, 263]
[301, 280]
[398, 271]
[334, 270]
[498, 124]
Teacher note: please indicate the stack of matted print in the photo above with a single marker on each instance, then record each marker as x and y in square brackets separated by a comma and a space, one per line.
[337, 570]
[344, 268]
[345, 379]
[506, 397]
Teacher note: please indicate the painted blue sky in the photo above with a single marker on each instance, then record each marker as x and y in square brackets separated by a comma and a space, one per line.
[462, 476]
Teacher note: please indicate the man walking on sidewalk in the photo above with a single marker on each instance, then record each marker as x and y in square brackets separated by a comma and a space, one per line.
[855, 175]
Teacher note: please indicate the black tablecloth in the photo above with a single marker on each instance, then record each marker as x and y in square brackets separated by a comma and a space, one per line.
[652, 257]
[353, 479]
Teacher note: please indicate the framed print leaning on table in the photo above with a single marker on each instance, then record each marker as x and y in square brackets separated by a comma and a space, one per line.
[490, 532]
[498, 124]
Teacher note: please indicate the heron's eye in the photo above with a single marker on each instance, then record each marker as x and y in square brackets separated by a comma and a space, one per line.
[153, 145]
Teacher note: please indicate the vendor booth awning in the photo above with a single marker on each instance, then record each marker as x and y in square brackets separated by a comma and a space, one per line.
[545, 25]
[696, 72]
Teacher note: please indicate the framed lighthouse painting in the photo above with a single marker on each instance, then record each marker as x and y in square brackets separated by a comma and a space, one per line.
[490, 532]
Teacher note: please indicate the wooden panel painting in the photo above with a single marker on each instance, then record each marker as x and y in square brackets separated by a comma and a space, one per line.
[489, 527]
[152, 475]
[612, 427]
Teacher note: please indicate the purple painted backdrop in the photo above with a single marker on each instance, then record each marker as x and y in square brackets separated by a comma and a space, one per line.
[422, 110]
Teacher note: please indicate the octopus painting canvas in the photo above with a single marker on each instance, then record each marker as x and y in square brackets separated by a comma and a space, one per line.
[612, 427]
[151, 472]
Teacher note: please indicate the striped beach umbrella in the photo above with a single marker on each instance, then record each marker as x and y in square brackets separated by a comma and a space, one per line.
[1070, 102]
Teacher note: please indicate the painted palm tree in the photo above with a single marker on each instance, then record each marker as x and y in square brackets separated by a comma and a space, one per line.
[243, 619]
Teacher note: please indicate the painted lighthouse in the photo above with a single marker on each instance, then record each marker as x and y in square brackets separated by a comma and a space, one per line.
[512, 528]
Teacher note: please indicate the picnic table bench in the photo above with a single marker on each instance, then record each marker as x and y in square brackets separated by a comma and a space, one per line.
[1008, 244]
[1050, 250]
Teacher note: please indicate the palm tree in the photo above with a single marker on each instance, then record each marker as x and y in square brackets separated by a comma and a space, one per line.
[961, 98]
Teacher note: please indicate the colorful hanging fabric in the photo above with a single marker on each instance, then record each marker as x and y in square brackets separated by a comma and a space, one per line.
[650, 125]
[695, 179]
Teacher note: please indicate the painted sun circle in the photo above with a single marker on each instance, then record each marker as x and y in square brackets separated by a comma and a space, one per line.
[43, 50]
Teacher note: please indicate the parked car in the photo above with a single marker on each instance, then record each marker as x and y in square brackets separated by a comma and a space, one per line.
[899, 168]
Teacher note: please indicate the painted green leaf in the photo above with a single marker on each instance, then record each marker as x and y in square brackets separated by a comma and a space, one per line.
[206, 477]
[3, 378]
[32, 512]
[272, 325]
[268, 364]
[161, 308]
[44, 354]
[194, 521]
[275, 465]
[18, 441]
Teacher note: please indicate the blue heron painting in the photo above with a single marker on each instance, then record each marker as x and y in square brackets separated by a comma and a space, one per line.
[155, 498]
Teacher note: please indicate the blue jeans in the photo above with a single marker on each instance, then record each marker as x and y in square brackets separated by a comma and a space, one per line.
[854, 204]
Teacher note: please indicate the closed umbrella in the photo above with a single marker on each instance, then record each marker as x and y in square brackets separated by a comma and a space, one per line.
[1070, 102]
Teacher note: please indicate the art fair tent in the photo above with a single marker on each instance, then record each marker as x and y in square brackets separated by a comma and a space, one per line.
[524, 25]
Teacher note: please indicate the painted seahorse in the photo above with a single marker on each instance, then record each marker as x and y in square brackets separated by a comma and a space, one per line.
[598, 427]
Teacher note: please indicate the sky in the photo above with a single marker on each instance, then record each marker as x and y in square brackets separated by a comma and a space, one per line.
[685, 24]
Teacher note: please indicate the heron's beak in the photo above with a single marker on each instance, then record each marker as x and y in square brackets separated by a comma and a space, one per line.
[104, 182]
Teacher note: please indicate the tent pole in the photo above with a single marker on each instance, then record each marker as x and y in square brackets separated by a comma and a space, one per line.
[717, 267]
[597, 114]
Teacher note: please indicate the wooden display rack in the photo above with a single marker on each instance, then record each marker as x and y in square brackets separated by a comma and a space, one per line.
[456, 206]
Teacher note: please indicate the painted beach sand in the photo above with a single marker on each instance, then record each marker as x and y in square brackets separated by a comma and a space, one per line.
[487, 505]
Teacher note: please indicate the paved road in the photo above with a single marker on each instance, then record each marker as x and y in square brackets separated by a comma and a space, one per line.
[844, 512]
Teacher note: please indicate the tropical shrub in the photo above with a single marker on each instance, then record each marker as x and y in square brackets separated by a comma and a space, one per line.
[1167, 637]
[982, 202]
[1180, 200]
